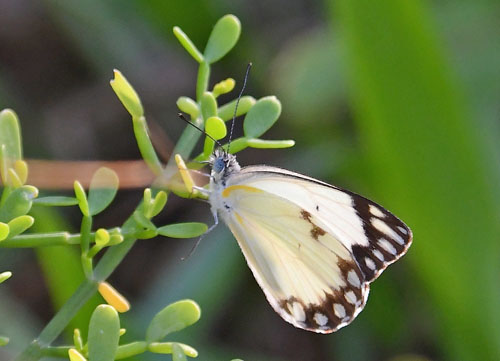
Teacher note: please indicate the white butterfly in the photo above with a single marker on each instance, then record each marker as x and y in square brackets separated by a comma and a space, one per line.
[313, 248]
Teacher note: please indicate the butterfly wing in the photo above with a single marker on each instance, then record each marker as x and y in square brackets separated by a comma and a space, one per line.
[373, 235]
[312, 247]
[307, 275]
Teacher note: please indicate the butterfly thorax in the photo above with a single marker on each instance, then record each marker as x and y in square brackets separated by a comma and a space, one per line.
[224, 165]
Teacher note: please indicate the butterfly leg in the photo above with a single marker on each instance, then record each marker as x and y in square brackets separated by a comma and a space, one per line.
[216, 222]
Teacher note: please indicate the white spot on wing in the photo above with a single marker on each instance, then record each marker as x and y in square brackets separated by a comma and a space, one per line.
[351, 297]
[403, 230]
[385, 244]
[376, 211]
[353, 278]
[370, 264]
[339, 310]
[320, 319]
[384, 228]
[378, 254]
[298, 312]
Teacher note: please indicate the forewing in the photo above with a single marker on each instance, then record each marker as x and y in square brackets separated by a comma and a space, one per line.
[308, 276]
[374, 236]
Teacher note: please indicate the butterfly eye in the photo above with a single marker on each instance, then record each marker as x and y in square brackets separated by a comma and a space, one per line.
[219, 165]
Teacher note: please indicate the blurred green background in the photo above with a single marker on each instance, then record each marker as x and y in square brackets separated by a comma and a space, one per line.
[396, 100]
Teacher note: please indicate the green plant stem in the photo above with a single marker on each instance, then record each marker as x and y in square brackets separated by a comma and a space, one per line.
[51, 239]
[56, 351]
[111, 259]
[42, 239]
[108, 263]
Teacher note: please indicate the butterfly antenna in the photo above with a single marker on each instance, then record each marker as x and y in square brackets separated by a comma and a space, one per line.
[201, 130]
[237, 102]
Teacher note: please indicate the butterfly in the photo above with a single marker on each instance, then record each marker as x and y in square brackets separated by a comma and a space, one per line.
[313, 248]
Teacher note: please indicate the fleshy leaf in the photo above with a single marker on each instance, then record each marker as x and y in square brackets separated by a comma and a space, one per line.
[223, 87]
[226, 111]
[4, 276]
[172, 318]
[188, 44]
[18, 203]
[19, 224]
[237, 145]
[104, 334]
[127, 95]
[4, 231]
[102, 237]
[102, 190]
[216, 127]
[270, 144]
[10, 137]
[113, 297]
[189, 106]
[82, 198]
[223, 37]
[183, 230]
[131, 349]
[77, 339]
[158, 204]
[208, 105]
[56, 201]
[167, 348]
[21, 168]
[74, 355]
[261, 116]
[178, 353]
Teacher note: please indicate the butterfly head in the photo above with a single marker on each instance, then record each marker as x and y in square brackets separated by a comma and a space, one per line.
[223, 165]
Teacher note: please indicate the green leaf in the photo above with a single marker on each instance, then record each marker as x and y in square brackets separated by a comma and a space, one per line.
[18, 203]
[261, 116]
[19, 224]
[183, 230]
[223, 37]
[82, 198]
[104, 334]
[237, 145]
[216, 127]
[127, 95]
[223, 87]
[178, 353]
[56, 201]
[226, 111]
[77, 339]
[4, 231]
[158, 204]
[188, 44]
[10, 137]
[102, 237]
[143, 221]
[270, 144]
[168, 348]
[208, 105]
[189, 106]
[172, 318]
[131, 349]
[4, 276]
[102, 190]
